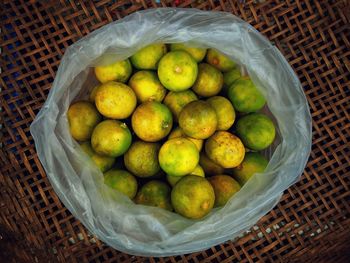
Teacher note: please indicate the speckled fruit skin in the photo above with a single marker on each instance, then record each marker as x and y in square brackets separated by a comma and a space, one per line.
[121, 180]
[119, 71]
[219, 60]
[193, 197]
[155, 193]
[176, 101]
[224, 110]
[256, 131]
[149, 56]
[197, 53]
[209, 81]
[225, 149]
[224, 187]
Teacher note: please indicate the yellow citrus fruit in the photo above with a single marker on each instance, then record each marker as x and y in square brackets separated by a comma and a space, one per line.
[224, 111]
[147, 86]
[224, 187]
[177, 70]
[197, 53]
[121, 180]
[111, 138]
[93, 94]
[252, 163]
[104, 163]
[178, 157]
[225, 149]
[149, 56]
[142, 159]
[115, 100]
[155, 193]
[82, 119]
[198, 119]
[172, 180]
[209, 81]
[256, 131]
[209, 167]
[219, 60]
[245, 96]
[177, 100]
[152, 121]
[193, 197]
[119, 71]
[178, 133]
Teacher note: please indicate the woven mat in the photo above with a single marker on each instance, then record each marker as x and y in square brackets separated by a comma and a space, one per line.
[312, 221]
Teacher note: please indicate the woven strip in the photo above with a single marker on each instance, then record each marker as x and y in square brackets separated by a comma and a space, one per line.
[311, 223]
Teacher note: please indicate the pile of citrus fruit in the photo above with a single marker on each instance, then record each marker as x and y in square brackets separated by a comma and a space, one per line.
[175, 127]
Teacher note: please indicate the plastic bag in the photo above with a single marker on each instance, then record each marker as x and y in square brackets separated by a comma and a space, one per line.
[149, 231]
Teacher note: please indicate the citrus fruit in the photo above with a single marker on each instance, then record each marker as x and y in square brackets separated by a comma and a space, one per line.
[121, 180]
[177, 100]
[148, 57]
[178, 133]
[93, 94]
[119, 71]
[197, 53]
[209, 167]
[209, 81]
[172, 180]
[198, 119]
[177, 70]
[245, 96]
[219, 60]
[111, 138]
[82, 119]
[178, 157]
[155, 193]
[193, 197]
[256, 131]
[104, 163]
[115, 100]
[146, 86]
[224, 187]
[142, 159]
[231, 76]
[152, 121]
[252, 163]
[224, 111]
[225, 149]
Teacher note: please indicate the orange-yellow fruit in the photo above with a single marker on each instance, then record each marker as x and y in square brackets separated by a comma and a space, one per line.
[224, 187]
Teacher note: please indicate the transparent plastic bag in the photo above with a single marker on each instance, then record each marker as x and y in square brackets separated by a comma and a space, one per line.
[149, 231]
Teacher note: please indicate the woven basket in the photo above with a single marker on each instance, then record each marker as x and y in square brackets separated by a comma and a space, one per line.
[312, 221]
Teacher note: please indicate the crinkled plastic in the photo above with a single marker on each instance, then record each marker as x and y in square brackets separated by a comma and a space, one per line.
[149, 231]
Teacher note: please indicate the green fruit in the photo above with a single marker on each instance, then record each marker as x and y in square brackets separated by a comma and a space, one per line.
[122, 181]
[178, 133]
[152, 121]
[231, 76]
[209, 81]
[224, 111]
[119, 71]
[177, 71]
[245, 97]
[209, 167]
[219, 60]
[82, 119]
[142, 159]
[178, 157]
[149, 56]
[177, 100]
[193, 197]
[154, 193]
[253, 163]
[115, 100]
[256, 131]
[198, 120]
[224, 187]
[197, 53]
[172, 180]
[225, 149]
[104, 163]
[147, 86]
[111, 138]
